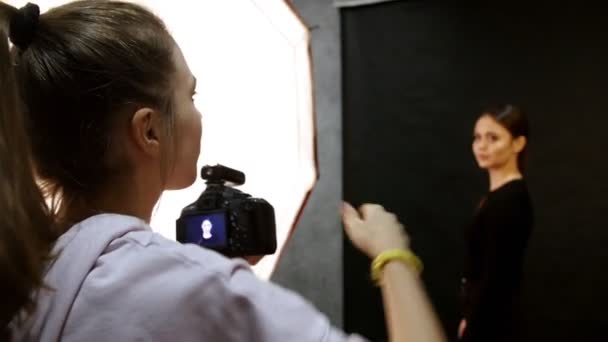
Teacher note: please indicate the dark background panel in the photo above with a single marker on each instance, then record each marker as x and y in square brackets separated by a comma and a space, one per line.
[415, 74]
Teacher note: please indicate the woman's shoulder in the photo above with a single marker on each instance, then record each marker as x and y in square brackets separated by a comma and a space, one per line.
[149, 247]
[513, 189]
[138, 258]
[116, 270]
[510, 197]
[143, 284]
[146, 257]
[511, 201]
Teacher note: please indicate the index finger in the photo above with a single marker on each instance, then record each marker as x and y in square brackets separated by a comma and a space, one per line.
[368, 208]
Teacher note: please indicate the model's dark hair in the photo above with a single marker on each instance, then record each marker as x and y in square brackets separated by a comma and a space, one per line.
[74, 75]
[515, 121]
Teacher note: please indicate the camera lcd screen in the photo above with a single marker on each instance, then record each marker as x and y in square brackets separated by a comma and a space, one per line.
[208, 230]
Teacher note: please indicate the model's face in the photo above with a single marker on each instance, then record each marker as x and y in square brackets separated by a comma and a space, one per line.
[493, 145]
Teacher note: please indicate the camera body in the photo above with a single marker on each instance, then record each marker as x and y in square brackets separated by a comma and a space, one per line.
[226, 219]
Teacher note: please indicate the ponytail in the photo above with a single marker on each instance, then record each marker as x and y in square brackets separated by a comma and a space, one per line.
[26, 232]
[72, 75]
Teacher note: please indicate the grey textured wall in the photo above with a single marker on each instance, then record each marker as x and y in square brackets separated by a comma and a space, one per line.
[312, 261]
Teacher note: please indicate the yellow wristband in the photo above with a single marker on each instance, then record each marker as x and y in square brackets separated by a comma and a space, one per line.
[404, 255]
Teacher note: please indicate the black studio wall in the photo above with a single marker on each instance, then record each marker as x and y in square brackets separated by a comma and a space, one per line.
[414, 75]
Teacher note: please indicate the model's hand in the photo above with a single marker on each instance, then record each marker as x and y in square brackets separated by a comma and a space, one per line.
[462, 327]
[373, 230]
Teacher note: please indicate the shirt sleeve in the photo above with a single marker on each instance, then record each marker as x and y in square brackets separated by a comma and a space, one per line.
[164, 291]
[267, 312]
[250, 309]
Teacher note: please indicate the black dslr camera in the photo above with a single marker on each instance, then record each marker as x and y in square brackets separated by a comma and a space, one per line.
[226, 219]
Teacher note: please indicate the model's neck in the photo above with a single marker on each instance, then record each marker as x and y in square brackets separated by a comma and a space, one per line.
[503, 175]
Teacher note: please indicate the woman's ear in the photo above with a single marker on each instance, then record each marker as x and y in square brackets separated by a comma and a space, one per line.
[146, 128]
[519, 143]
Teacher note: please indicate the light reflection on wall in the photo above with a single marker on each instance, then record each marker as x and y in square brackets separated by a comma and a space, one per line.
[251, 58]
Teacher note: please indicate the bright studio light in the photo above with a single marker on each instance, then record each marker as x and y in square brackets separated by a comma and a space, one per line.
[251, 58]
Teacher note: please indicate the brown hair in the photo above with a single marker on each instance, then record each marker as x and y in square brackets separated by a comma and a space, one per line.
[73, 76]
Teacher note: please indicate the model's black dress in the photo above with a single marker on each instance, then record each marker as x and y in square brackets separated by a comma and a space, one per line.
[495, 245]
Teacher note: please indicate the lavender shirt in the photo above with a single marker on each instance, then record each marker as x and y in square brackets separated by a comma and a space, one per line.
[116, 280]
